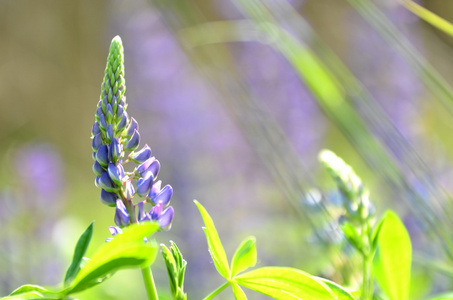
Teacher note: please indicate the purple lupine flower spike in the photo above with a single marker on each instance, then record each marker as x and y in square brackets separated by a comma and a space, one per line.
[113, 135]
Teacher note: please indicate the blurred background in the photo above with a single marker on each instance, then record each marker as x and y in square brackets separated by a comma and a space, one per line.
[236, 98]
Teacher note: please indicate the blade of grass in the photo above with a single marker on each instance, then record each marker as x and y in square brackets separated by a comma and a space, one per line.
[428, 16]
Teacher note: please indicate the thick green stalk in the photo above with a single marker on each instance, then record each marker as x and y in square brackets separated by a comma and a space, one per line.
[217, 291]
[149, 283]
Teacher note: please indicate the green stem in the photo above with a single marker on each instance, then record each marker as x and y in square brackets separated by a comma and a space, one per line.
[367, 286]
[149, 283]
[217, 291]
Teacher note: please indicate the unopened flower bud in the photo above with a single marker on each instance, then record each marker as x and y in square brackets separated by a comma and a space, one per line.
[115, 150]
[102, 156]
[133, 125]
[114, 174]
[164, 196]
[109, 134]
[108, 198]
[155, 190]
[121, 214]
[97, 168]
[150, 165]
[144, 184]
[142, 155]
[97, 142]
[134, 141]
[166, 218]
[106, 183]
[95, 130]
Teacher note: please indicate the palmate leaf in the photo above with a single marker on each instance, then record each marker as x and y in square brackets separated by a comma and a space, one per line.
[392, 263]
[245, 256]
[285, 283]
[238, 292]
[126, 250]
[214, 244]
[79, 251]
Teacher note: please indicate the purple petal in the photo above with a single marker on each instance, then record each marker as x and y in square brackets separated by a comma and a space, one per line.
[155, 190]
[166, 218]
[108, 198]
[121, 124]
[114, 230]
[144, 184]
[121, 214]
[97, 169]
[164, 196]
[109, 113]
[133, 125]
[114, 174]
[134, 141]
[156, 211]
[106, 183]
[141, 210]
[102, 156]
[114, 150]
[97, 142]
[95, 130]
[119, 111]
[142, 155]
[109, 134]
[150, 165]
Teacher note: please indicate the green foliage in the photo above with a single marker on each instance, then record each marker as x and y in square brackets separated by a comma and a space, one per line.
[245, 256]
[392, 264]
[285, 283]
[276, 282]
[176, 267]
[79, 252]
[126, 250]
[214, 244]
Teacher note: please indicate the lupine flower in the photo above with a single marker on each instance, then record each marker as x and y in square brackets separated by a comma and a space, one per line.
[113, 134]
[357, 205]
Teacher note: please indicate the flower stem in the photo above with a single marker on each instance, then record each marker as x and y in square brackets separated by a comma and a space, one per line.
[217, 291]
[149, 283]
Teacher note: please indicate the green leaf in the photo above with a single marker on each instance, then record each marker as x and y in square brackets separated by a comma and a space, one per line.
[126, 250]
[340, 292]
[375, 236]
[79, 251]
[352, 236]
[238, 292]
[284, 283]
[214, 244]
[28, 288]
[392, 264]
[245, 256]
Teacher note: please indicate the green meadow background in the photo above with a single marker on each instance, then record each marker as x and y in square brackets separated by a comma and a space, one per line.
[236, 98]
